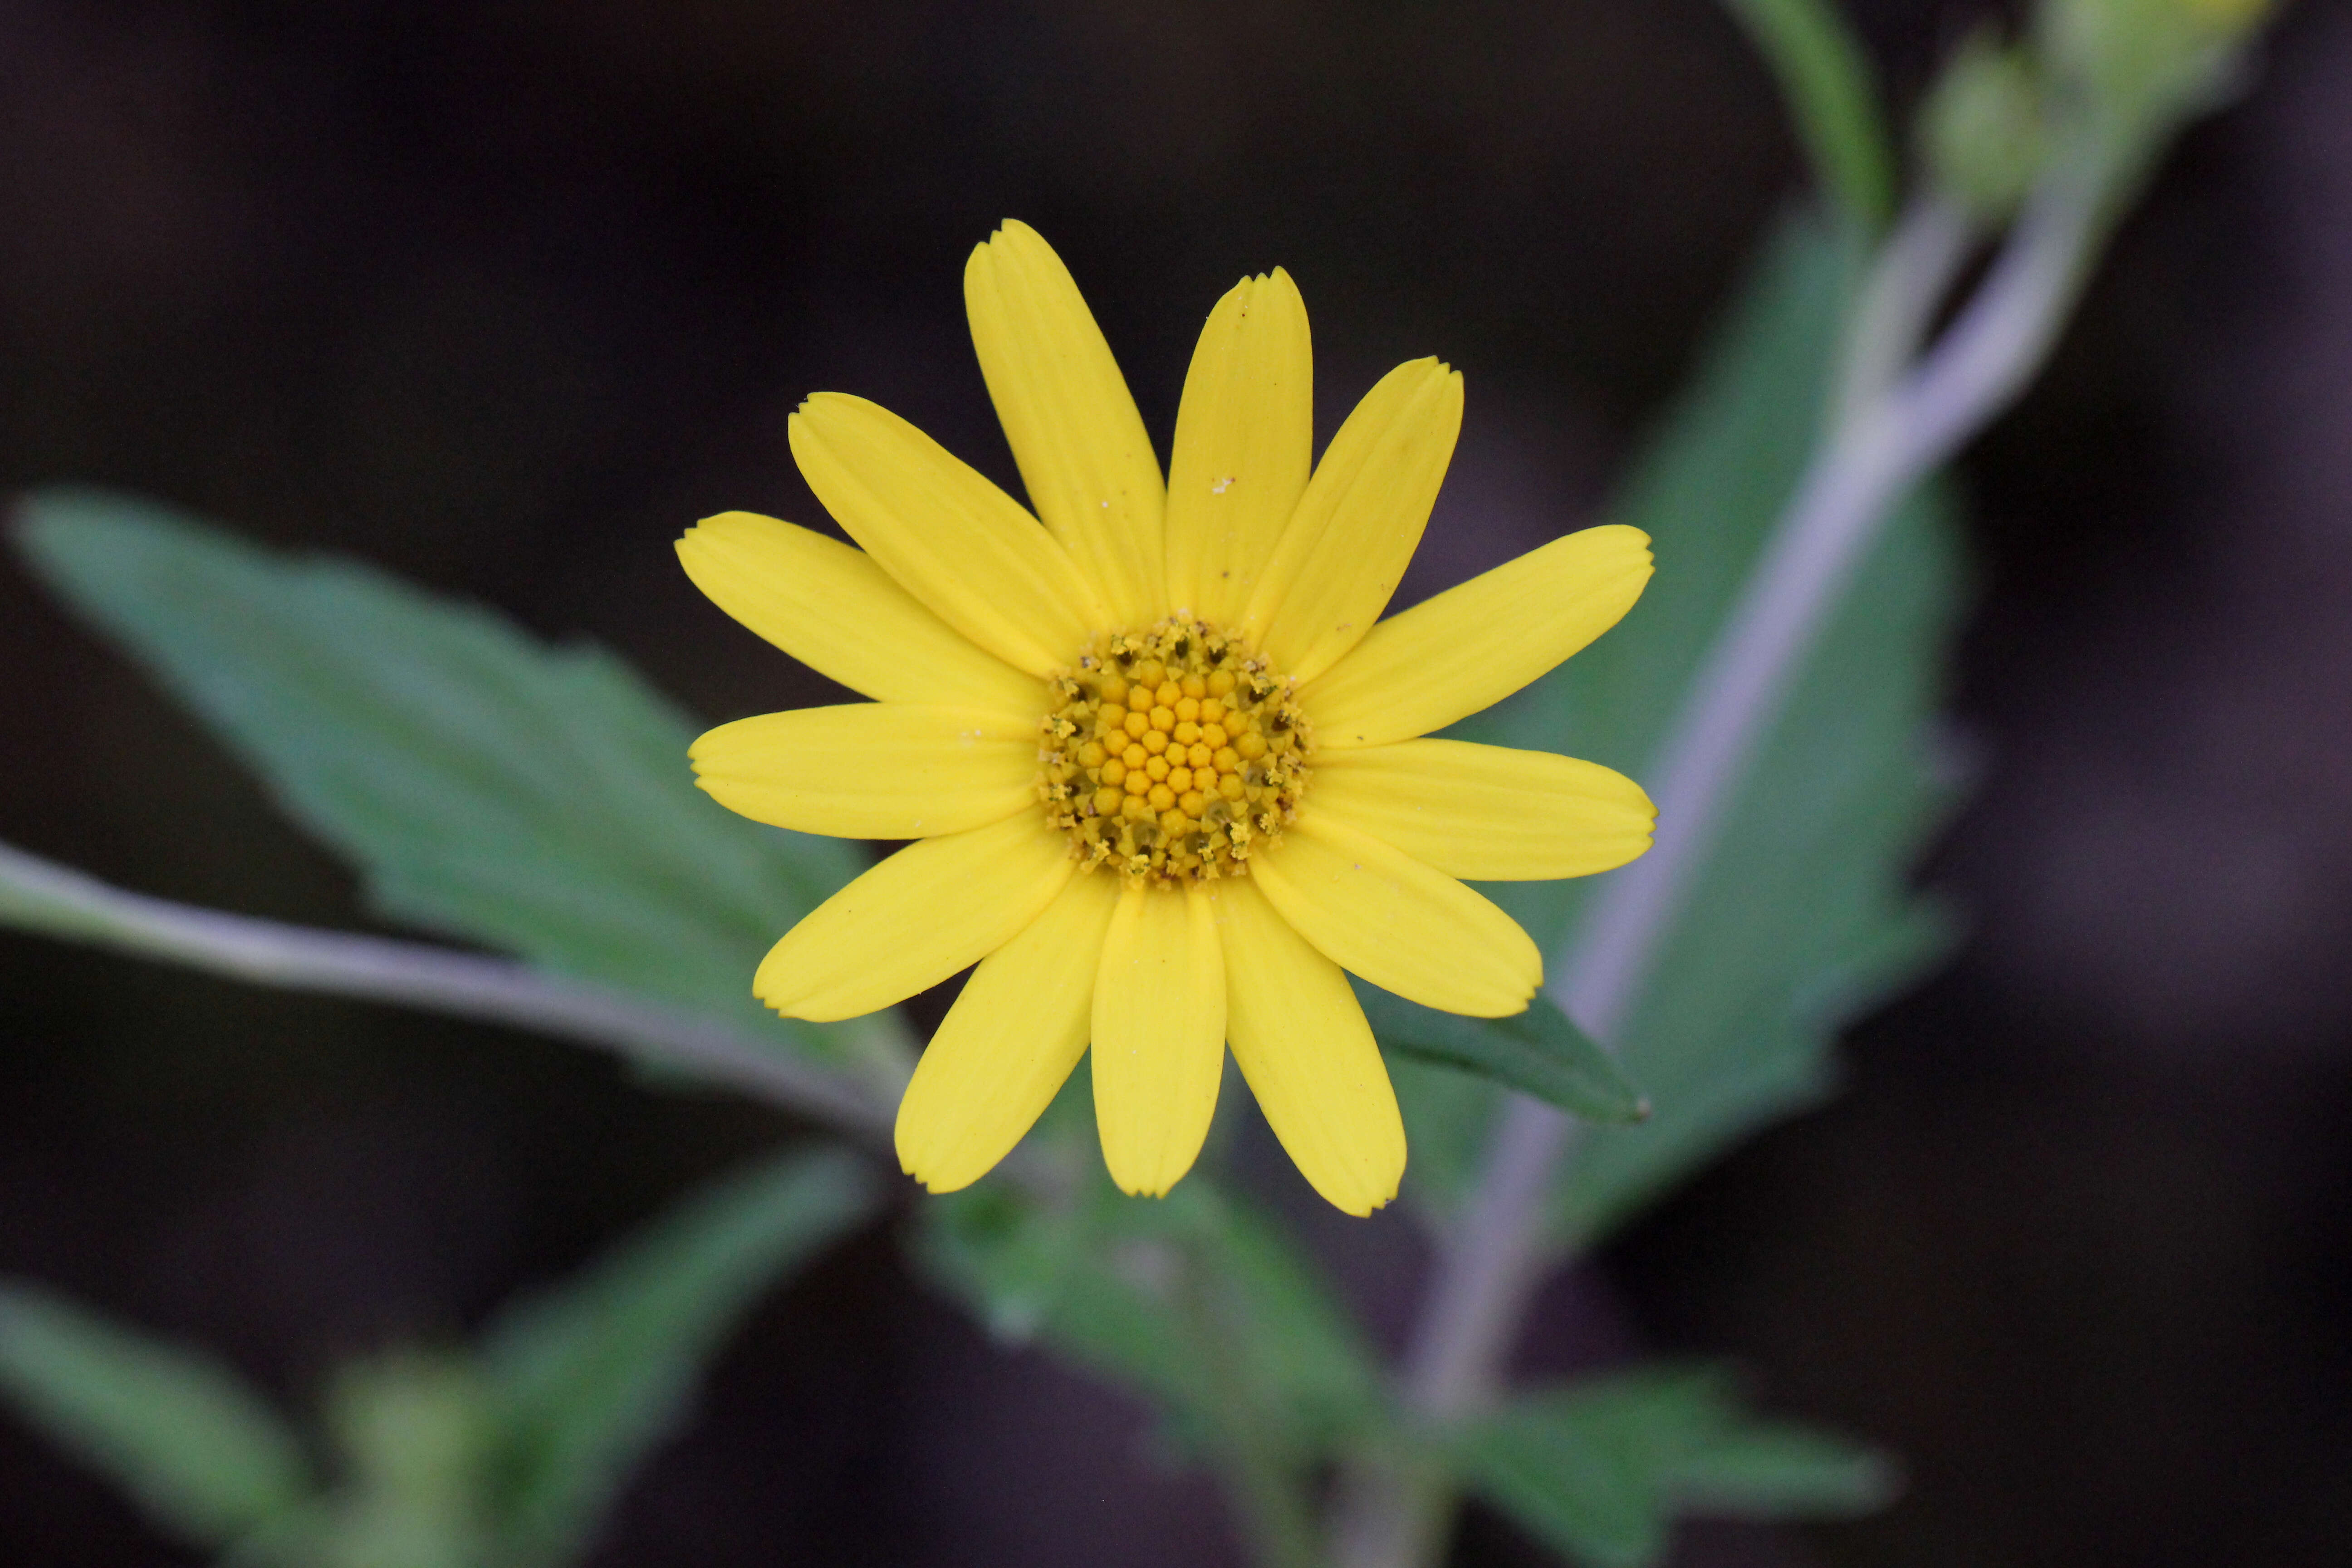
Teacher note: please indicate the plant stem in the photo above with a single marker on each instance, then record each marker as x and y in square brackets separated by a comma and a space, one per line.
[43, 896]
[1896, 415]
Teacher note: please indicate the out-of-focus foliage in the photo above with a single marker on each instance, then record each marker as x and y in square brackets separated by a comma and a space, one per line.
[504, 1456]
[585, 1377]
[2124, 73]
[1825, 79]
[202, 1453]
[418, 737]
[1980, 131]
[1197, 1301]
[2092, 88]
[1737, 1029]
[537, 800]
[1601, 1468]
[485, 784]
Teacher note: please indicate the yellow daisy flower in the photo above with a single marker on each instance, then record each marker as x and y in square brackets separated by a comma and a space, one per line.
[1163, 772]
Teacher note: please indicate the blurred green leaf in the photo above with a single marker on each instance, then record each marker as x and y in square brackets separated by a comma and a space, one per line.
[1801, 917]
[1600, 1469]
[1783, 1471]
[198, 1449]
[1194, 1300]
[1539, 1052]
[1447, 1116]
[1573, 1489]
[1199, 1305]
[591, 1375]
[537, 799]
[1825, 78]
[1008, 1255]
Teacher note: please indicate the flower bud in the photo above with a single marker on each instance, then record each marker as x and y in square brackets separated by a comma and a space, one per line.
[1981, 131]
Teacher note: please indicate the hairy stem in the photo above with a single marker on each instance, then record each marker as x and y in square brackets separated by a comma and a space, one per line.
[1895, 417]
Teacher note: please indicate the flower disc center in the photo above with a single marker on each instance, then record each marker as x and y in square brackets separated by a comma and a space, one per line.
[1171, 753]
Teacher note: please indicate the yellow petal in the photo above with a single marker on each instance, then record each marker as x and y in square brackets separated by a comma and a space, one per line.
[927, 911]
[1159, 1037]
[831, 607]
[1072, 427]
[1007, 1044]
[1471, 647]
[1358, 523]
[1487, 812]
[1309, 1057]
[950, 538]
[1398, 923]
[873, 770]
[1244, 442]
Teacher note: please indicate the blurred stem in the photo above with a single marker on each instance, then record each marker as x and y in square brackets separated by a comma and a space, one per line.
[1895, 415]
[1910, 277]
[42, 896]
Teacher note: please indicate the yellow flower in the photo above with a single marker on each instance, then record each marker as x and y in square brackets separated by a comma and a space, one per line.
[1163, 771]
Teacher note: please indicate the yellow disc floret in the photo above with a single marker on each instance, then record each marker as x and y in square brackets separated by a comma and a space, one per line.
[1171, 754]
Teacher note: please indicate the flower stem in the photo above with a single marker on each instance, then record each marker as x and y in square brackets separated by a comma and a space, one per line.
[42, 896]
[1896, 415]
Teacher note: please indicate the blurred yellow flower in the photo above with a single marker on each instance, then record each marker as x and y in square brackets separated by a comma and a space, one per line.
[1163, 769]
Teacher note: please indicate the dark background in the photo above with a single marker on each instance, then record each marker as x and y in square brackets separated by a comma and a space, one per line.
[502, 295]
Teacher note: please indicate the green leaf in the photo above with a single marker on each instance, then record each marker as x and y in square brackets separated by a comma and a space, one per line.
[1824, 78]
[1783, 1471]
[594, 1373]
[537, 799]
[1007, 1253]
[1539, 1052]
[1575, 1488]
[1194, 1301]
[1599, 1470]
[198, 1448]
[1801, 917]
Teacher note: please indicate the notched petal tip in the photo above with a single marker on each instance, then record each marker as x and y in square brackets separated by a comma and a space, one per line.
[823, 405]
[1638, 542]
[782, 1001]
[1488, 1011]
[717, 530]
[805, 1004]
[1621, 551]
[1432, 370]
[1011, 243]
[1144, 1189]
[935, 1184]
